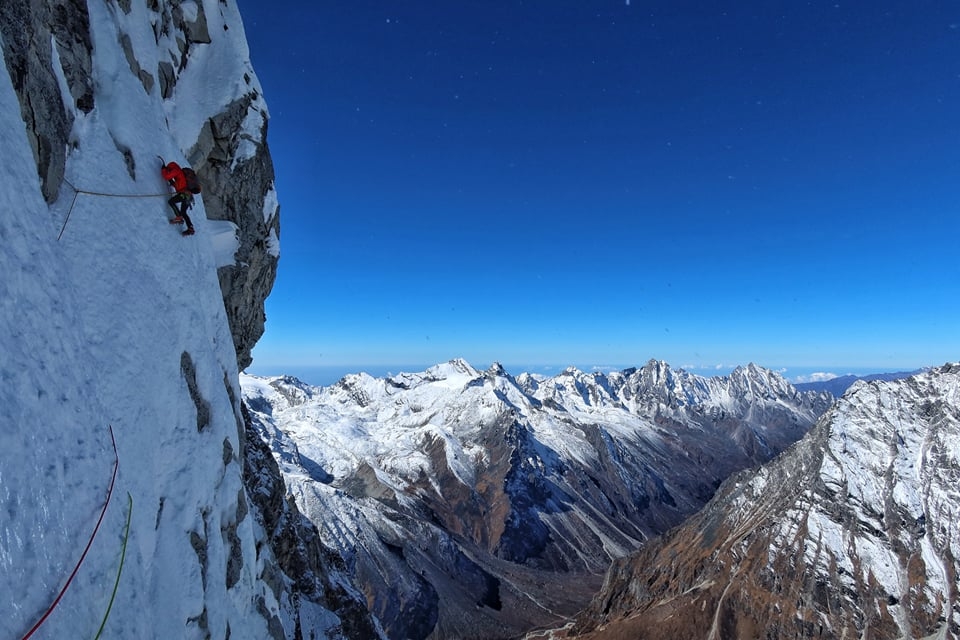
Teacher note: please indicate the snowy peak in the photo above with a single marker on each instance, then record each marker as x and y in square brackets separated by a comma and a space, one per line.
[756, 382]
[285, 391]
[656, 373]
[454, 373]
[846, 534]
[496, 370]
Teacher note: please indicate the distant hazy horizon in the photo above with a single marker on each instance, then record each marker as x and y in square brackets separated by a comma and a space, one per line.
[326, 375]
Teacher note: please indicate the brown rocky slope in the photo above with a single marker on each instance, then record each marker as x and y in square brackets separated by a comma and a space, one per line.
[849, 534]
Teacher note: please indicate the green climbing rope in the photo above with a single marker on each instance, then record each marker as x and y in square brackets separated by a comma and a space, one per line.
[123, 555]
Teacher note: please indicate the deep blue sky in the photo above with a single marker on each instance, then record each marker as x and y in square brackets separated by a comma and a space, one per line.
[598, 182]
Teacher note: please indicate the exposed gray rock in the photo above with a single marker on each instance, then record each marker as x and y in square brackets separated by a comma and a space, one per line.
[195, 31]
[189, 371]
[146, 78]
[235, 559]
[199, 544]
[240, 192]
[26, 27]
[167, 79]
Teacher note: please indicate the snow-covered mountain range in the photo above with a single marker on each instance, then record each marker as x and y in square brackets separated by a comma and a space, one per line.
[473, 503]
[851, 533]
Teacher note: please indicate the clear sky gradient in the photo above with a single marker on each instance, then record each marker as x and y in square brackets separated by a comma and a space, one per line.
[598, 182]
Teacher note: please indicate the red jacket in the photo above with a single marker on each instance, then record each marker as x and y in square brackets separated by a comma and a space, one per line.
[173, 174]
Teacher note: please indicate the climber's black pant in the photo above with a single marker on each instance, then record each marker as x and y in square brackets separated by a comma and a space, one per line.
[184, 199]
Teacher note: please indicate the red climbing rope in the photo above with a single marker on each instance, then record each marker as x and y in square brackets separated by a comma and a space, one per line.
[56, 601]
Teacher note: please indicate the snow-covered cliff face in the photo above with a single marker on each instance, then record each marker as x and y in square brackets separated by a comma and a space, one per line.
[471, 503]
[182, 66]
[852, 533]
[111, 319]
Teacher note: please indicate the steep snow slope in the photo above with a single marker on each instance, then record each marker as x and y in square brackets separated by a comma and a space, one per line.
[850, 534]
[479, 505]
[97, 326]
[121, 323]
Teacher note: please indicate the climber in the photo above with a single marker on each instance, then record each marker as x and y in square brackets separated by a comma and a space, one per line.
[177, 179]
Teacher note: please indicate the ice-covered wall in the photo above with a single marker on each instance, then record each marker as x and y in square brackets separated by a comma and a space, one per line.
[111, 320]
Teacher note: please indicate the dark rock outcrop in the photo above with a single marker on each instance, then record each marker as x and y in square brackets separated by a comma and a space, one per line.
[302, 559]
[27, 28]
[243, 193]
